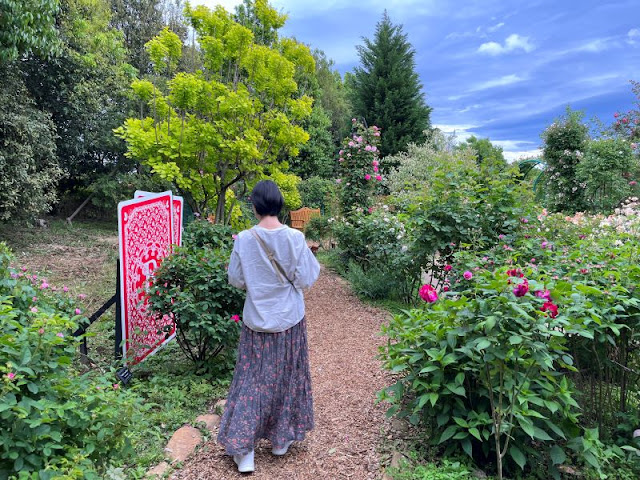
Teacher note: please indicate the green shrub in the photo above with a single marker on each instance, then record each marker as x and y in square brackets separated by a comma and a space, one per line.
[29, 170]
[484, 367]
[602, 175]
[446, 471]
[55, 421]
[191, 285]
[377, 242]
[318, 192]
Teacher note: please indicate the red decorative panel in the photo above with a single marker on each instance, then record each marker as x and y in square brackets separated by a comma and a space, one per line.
[145, 234]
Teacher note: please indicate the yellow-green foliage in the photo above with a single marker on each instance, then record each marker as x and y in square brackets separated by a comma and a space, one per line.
[288, 185]
[227, 123]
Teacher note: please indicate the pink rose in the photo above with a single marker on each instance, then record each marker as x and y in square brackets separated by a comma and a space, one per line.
[235, 318]
[65, 289]
[116, 386]
[445, 288]
[338, 180]
[375, 163]
[34, 310]
[428, 293]
[78, 311]
[633, 183]
[447, 268]
[546, 294]
[375, 169]
[467, 275]
[60, 334]
[367, 177]
[378, 178]
[11, 375]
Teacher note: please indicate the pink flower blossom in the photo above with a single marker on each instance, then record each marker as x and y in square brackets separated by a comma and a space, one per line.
[633, 183]
[467, 275]
[374, 148]
[376, 134]
[34, 299]
[428, 293]
[501, 236]
[378, 178]
[375, 169]
[445, 288]
[353, 120]
[116, 386]
[34, 310]
[544, 244]
[375, 163]
[24, 269]
[60, 334]
[368, 148]
[546, 294]
[78, 311]
[340, 152]
[82, 296]
[41, 331]
[14, 275]
[338, 180]
[11, 375]
[447, 268]
[341, 159]
[370, 209]
[521, 289]
[351, 144]
[235, 318]
[367, 177]
[533, 260]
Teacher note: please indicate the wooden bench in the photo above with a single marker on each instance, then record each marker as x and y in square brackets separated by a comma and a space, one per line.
[299, 218]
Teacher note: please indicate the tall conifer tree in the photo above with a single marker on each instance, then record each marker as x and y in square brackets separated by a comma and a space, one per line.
[386, 90]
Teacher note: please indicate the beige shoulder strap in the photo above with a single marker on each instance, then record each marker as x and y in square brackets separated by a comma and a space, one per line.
[270, 255]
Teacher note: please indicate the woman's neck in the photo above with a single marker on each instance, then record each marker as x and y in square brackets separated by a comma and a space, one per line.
[269, 222]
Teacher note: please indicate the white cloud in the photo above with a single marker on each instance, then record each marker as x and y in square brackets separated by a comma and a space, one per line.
[633, 36]
[512, 43]
[597, 45]
[513, 156]
[497, 82]
[460, 131]
[495, 27]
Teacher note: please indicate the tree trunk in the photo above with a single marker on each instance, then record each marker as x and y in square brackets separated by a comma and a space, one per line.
[220, 206]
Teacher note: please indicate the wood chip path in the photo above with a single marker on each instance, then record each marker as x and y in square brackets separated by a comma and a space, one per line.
[343, 343]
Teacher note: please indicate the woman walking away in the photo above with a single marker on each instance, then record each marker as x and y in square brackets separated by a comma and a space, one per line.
[270, 395]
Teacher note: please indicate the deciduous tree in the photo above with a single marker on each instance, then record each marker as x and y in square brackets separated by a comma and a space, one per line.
[232, 122]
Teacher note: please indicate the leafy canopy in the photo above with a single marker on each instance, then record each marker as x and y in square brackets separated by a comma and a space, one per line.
[233, 121]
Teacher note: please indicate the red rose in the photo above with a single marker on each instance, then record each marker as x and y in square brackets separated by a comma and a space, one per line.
[551, 308]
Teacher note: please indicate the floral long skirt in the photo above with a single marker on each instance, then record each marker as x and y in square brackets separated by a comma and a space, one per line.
[270, 395]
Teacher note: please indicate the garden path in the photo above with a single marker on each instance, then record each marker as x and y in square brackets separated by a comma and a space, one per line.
[343, 342]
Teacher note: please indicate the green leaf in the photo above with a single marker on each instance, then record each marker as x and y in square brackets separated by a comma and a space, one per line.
[557, 455]
[467, 447]
[448, 433]
[474, 431]
[518, 456]
[482, 344]
[515, 339]
[541, 434]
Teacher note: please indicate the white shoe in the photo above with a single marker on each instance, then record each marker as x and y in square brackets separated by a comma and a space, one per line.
[245, 462]
[283, 450]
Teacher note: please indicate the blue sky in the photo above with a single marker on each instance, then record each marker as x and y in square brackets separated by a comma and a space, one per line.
[498, 69]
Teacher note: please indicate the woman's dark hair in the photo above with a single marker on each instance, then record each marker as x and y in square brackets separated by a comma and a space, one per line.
[266, 198]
